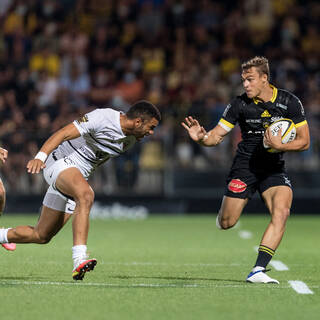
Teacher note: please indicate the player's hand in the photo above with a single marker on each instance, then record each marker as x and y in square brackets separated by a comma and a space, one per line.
[35, 165]
[196, 132]
[3, 155]
[274, 142]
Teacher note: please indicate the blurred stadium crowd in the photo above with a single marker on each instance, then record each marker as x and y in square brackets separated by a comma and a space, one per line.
[60, 59]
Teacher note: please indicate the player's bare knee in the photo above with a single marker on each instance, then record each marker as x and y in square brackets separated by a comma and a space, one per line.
[227, 223]
[2, 196]
[2, 191]
[280, 215]
[86, 198]
[42, 238]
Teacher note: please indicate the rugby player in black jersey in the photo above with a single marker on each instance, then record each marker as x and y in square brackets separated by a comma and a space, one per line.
[254, 167]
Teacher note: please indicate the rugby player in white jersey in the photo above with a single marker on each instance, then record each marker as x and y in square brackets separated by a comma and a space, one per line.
[3, 158]
[68, 158]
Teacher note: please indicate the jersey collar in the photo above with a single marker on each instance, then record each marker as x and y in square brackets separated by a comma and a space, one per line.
[274, 95]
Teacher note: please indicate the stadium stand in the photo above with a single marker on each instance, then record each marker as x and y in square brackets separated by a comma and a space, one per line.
[59, 58]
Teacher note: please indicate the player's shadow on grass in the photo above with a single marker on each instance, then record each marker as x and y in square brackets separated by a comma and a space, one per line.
[174, 278]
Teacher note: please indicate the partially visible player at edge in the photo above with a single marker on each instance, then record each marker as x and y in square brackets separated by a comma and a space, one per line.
[254, 168]
[3, 158]
[67, 158]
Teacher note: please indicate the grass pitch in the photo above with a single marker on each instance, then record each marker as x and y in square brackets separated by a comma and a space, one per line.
[164, 267]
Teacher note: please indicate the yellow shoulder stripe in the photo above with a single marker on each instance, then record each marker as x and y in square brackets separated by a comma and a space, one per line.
[274, 93]
[300, 124]
[228, 124]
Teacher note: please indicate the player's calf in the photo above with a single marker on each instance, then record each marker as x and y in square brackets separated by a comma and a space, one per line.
[24, 234]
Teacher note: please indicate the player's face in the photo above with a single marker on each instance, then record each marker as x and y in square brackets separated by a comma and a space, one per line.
[253, 82]
[145, 128]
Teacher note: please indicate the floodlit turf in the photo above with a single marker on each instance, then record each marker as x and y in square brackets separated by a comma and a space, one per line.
[165, 267]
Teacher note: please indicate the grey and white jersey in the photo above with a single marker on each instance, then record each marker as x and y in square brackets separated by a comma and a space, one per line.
[101, 139]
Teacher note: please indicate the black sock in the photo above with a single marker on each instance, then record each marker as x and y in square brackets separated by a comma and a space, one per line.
[264, 256]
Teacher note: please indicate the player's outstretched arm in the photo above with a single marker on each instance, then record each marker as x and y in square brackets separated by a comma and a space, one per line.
[3, 155]
[68, 132]
[198, 134]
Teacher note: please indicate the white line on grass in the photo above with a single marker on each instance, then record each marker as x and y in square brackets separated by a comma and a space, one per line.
[278, 265]
[244, 234]
[300, 287]
[146, 263]
[133, 263]
[132, 285]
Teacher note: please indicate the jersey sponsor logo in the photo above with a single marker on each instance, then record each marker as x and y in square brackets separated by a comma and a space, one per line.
[83, 119]
[282, 106]
[253, 120]
[237, 186]
[273, 119]
[256, 132]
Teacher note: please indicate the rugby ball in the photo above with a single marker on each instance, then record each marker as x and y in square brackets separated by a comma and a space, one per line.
[288, 131]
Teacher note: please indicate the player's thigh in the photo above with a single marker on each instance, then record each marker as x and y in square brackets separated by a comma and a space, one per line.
[278, 199]
[50, 222]
[276, 191]
[2, 190]
[231, 208]
[72, 183]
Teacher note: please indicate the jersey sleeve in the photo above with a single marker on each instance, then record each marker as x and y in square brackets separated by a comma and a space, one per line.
[230, 115]
[296, 112]
[90, 122]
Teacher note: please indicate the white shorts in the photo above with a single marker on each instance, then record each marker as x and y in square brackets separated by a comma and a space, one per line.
[54, 199]
[57, 201]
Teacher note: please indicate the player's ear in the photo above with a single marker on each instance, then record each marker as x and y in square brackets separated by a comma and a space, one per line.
[264, 78]
[138, 122]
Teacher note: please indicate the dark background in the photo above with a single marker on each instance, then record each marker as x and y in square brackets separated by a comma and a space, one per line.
[61, 59]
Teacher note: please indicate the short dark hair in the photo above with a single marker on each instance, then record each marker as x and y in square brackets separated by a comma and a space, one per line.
[261, 63]
[144, 110]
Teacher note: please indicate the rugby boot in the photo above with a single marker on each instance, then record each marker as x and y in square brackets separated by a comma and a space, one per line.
[81, 267]
[9, 246]
[258, 275]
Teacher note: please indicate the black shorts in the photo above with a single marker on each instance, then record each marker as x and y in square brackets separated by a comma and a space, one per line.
[243, 183]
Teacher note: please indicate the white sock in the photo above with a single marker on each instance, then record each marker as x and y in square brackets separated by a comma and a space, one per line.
[4, 235]
[79, 251]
